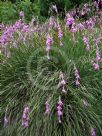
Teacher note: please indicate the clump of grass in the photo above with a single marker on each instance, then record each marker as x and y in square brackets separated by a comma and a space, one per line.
[28, 77]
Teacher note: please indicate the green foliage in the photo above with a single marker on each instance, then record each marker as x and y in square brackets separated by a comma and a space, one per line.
[25, 6]
[62, 5]
[8, 12]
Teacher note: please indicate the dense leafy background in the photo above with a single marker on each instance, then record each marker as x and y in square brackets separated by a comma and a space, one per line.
[9, 9]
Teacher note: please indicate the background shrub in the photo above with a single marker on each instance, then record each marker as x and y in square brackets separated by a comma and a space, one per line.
[8, 12]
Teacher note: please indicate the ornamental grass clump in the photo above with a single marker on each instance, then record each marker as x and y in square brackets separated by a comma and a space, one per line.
[57, 95]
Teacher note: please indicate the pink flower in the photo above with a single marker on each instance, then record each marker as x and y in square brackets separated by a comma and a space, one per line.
[97, 54]
[93, 132]
[21, 14]
[47, 107]
[90, 23]
[59, 109]
[80, 26]
[51, 23]
[73, 28]
[5, 121]
[25, 116]
[62, 82]
[48, 44]
[96, 66]
[77, 77]
[86, 42]
[70, 20]
[60, 34]
[25, 28]
[96, 5]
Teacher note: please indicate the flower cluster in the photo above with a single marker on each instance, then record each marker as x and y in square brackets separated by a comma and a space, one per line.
[80, 26]
[51, 23]
[96, 65]
[47, 107]
[77, 77]
[8, 32]
[74, 28]
[59, 109]
[70, 20]
[85, 9]
[21, 14]
[96, 5]
[97, 59]
[90, 23]
[25, 28]
[6, 121]
[62, 82]
[25, 117]
[93, 132]
[60, 34]
[97, 54]
[86, 42]
[48, 44]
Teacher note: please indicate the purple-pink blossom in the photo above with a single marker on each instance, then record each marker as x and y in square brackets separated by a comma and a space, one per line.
[6, 121]
[93, 132]
[47, 107]
[51, 23]
[60, 34]
[74, 28]
[86, 42]
[59, 110]
[96, 66]
[48, 45]
[70, 20]
[25, 117]
[62, 82]
[25, 28]
[76, 75]
[21, 14]
[97, 55]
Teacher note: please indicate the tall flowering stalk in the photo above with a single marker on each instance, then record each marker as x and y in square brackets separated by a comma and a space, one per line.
[86, 42]
[60, 34]
[47, 107]
[97, 54]
[25, 117]
[62, 82]
[95, 63]
[93, 132]
[6, 121]
[48, 44]
[51, 23]
[76, 75]
[59, 110]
